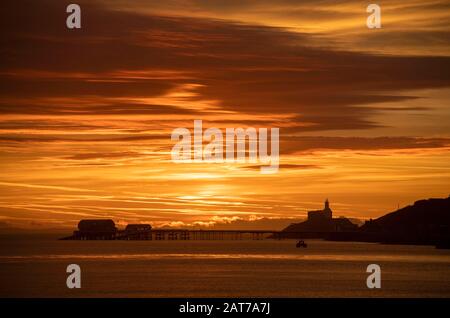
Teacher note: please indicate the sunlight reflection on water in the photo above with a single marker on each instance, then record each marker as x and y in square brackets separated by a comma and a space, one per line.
[315, 257]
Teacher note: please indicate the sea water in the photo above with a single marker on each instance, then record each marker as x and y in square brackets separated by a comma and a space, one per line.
[35, 266]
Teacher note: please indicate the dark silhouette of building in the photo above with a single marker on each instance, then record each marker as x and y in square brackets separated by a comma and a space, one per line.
[102, 229]
[321, 215]
[138, 228]
[105, 229]
[320, 223]
[138, 232]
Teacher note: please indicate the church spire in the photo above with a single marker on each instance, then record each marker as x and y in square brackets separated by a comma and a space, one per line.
[327, 204]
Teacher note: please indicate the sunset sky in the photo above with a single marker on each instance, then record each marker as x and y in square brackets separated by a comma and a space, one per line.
[86, 114]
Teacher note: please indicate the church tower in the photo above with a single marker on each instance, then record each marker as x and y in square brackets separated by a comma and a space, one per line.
[327, 211]
[327, 205]
[321, 215]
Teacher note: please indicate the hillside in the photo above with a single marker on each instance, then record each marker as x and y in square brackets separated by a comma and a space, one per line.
[424, 222]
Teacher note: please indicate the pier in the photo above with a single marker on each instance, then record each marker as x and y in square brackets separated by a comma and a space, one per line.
[105, 229]
[183, 235]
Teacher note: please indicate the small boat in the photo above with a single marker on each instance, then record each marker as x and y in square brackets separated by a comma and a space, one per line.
[301, 244]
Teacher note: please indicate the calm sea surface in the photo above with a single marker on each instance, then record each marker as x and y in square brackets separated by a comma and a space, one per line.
[36, 267]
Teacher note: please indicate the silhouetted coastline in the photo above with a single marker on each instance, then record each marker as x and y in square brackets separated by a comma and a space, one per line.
[320, 224]
[426, 222]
